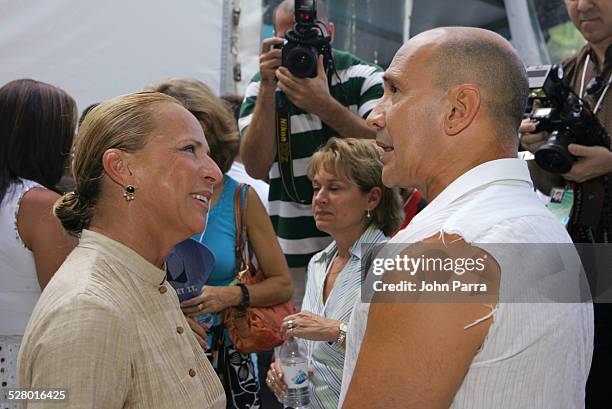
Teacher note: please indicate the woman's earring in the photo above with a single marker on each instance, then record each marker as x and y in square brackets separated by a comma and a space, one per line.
[368, 215]
[129, 193]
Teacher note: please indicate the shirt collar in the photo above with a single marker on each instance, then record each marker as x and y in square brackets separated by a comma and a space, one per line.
[370, 237]
[135, 263]
[599, 69]
[508, 169]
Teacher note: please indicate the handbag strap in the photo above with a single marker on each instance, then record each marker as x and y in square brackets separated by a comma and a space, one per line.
[240, 207]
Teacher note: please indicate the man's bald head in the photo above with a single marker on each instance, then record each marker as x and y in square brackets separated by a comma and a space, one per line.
[465, 55]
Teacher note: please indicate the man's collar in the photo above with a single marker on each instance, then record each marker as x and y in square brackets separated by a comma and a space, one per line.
[608, 58]
[508, 169]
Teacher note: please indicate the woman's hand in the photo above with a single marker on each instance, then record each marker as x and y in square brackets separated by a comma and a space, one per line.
[199, 331]
[212, 299]
[307, 325]
[275, 380]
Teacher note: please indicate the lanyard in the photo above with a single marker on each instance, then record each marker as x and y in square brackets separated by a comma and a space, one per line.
[605, 91]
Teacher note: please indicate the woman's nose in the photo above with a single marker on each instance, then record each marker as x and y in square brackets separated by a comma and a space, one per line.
[211, 171]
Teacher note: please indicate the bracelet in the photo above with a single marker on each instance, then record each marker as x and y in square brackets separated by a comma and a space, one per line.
[343, 327]
[246, 297]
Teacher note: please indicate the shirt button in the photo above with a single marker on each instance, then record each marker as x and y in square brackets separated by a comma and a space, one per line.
[192, 372]
[163, 289]
[179, 329]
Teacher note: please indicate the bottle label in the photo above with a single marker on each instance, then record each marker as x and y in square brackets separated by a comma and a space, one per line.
[296, 376]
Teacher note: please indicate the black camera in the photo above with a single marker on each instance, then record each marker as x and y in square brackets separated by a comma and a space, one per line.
[304, 43]
[567, 117]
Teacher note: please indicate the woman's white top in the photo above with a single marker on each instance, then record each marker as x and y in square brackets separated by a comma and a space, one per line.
[537, 354]
[19, 288]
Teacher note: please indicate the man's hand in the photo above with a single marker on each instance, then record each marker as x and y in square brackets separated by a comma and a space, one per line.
[593, 161]
[531, 141]
[309, 94]
[269, 61]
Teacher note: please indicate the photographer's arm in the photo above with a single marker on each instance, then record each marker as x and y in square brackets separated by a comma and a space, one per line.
[312, 95]
[258, 145]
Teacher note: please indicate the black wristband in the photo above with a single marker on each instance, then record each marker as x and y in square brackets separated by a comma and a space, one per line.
[246, 297]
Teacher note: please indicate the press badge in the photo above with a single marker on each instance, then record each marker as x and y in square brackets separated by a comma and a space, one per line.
[561, 202]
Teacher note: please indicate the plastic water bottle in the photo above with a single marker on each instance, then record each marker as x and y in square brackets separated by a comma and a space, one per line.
[295, 375]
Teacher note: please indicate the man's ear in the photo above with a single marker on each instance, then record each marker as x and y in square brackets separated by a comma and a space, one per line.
[116, 166]
[464, 104]
[330, 30]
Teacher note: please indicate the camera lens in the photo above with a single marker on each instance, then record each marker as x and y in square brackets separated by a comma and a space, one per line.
[553, 156]
[302, 62]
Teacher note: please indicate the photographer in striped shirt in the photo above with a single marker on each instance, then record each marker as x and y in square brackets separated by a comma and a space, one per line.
[333, 103]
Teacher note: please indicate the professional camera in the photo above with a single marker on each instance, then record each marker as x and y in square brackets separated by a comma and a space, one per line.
[563, 114]
[304, 43]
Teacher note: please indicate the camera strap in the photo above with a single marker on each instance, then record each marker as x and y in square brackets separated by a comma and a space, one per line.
[605, 91]
[283, 145]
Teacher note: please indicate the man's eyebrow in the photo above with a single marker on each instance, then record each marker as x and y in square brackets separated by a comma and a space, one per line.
[387, 78]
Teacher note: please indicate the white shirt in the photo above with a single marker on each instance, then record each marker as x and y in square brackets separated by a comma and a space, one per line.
[239, 173]
[535, 355]
[19, 288]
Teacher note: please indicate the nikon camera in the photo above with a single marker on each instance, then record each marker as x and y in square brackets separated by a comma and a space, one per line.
[304, 43]
[567, 117]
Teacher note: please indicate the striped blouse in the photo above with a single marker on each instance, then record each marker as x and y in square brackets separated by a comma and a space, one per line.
[327, 360]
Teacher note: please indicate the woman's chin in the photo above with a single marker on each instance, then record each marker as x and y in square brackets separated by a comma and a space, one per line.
[323, 226]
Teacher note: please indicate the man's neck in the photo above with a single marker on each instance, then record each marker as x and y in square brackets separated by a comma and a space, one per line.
[600, 50]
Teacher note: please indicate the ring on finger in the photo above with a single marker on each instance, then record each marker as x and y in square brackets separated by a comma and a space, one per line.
[290, 324]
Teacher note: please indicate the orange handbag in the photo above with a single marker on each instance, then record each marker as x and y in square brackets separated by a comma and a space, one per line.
[255, 329]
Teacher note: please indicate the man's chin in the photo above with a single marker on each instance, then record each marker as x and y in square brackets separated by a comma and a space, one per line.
[388, 179]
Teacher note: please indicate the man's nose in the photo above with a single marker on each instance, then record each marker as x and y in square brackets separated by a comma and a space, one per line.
[376, 119]
[583, 5]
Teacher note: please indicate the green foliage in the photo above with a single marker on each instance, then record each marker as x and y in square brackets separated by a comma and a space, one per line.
[564, 41]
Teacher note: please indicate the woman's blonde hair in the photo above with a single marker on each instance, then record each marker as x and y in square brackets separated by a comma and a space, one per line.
[124, 123]
[218, 121]
[357, 161]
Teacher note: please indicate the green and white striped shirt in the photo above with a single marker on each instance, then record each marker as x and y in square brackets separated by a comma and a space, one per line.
[358, 89]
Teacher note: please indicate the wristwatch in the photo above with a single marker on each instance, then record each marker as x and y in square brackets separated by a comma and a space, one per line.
[343, 327]
[246, 298]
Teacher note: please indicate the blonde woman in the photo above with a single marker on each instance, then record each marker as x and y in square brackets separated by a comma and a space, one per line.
[108, 329]
[351, 204]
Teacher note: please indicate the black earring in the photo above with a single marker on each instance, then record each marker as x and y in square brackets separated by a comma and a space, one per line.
[129, 193]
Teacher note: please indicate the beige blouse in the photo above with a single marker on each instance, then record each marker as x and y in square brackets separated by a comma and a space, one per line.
[109, 330]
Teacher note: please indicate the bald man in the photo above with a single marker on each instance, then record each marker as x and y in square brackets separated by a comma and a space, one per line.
[447, 124]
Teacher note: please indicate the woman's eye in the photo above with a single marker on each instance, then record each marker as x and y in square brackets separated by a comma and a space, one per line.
[189, 148]
[393, 88]
[316, 188]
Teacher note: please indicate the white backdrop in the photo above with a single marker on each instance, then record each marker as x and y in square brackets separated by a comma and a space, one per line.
[98, 49]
